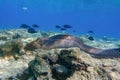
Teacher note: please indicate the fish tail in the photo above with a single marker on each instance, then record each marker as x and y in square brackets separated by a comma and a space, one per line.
[101, 53]
[108, 53]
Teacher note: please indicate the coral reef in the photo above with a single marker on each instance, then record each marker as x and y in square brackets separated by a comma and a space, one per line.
[71, 64]
[16, 63]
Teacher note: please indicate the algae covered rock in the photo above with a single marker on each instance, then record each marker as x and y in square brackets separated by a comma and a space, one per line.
[16, 36]
[72, 64]
[11, 48]
[39, 68]
[4, 38]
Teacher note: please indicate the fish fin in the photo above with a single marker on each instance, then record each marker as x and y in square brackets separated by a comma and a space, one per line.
[108, 53]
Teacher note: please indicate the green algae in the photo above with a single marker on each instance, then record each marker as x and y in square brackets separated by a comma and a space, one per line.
[11, 48]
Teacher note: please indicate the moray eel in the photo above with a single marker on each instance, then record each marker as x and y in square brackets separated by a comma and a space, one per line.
[67, 41]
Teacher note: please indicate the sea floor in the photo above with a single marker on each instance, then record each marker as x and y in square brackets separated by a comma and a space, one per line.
[15, 61]
[24, 36]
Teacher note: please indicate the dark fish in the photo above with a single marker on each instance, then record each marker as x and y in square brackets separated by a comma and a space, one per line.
[35, 25]
[24, 26]
[63, 29]
[90, 31]
[67, 26]
[31, 30]
[57, 26]
[91, 38]
[74, 30]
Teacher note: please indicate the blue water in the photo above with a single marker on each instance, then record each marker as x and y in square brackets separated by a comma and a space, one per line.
[101, 16]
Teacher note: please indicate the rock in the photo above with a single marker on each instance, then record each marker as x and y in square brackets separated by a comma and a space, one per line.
[59, 70]
[53, 64]
[16, 36]
[4, 38]
[72, 64]
[11, 48]
[39, 70]
[45, 34]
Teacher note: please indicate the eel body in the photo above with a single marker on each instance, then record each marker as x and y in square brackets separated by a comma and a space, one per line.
[66, 41]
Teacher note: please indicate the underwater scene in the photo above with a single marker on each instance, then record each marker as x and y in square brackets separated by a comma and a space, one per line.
[59, 40]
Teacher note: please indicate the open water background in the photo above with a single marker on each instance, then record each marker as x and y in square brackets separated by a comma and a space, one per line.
[101, 16]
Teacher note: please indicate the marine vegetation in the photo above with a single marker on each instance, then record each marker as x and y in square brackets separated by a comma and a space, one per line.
[3, 38]
[11, 48]
[53, 66]
[66, 64]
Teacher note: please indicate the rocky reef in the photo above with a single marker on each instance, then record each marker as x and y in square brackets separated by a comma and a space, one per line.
[71, 64]
[17, 63]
